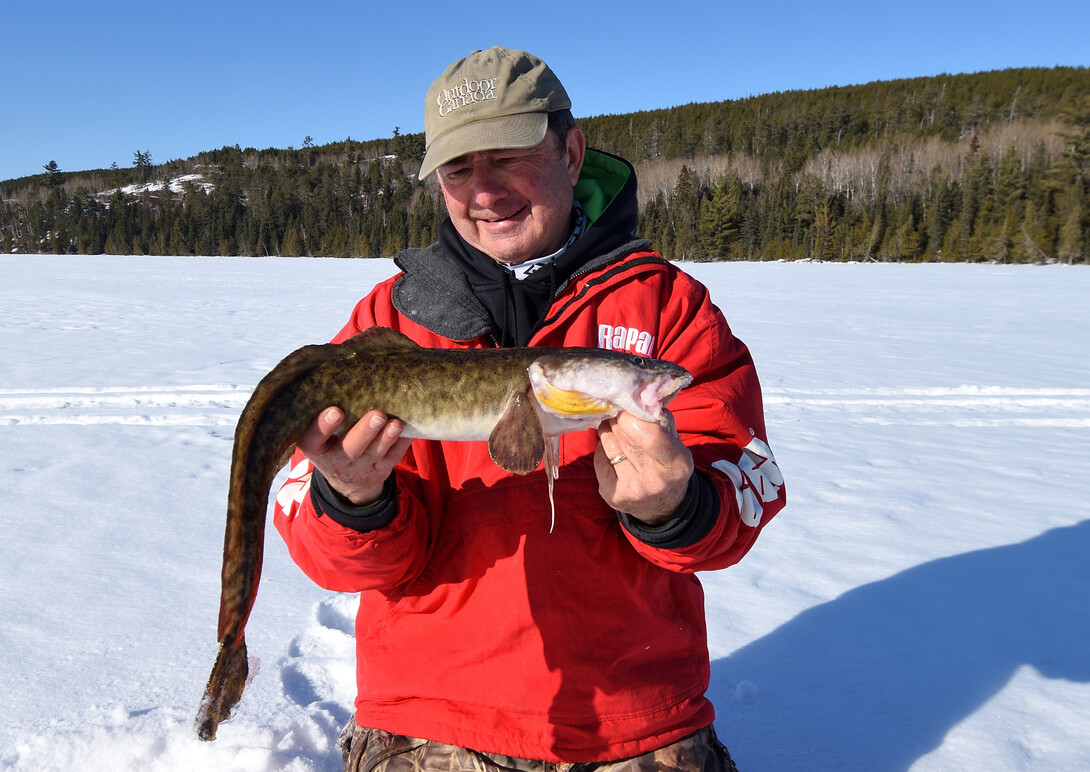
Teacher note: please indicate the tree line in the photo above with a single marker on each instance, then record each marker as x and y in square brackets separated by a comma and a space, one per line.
[1000, 199]
[986, 166]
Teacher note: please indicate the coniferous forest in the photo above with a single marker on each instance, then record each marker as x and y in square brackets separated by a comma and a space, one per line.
[991, 166]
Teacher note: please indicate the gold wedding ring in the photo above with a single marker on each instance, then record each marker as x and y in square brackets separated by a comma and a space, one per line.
[617, 459]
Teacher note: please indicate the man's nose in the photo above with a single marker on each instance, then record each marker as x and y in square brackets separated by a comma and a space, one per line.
[488, 185]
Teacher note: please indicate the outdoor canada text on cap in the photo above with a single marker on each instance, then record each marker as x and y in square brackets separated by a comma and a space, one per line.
[490, 100]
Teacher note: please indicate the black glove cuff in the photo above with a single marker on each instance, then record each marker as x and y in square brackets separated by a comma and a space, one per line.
[693, 521]
[369, 517]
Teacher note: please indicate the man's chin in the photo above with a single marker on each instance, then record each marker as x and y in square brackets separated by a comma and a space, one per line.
[510, 251]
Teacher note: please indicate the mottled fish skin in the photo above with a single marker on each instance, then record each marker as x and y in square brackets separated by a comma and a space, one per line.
[440, 394]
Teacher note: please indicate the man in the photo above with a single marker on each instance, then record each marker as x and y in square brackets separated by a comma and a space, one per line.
[483, 640]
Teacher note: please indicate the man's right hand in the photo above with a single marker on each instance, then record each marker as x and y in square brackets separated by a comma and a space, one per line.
[357, 463]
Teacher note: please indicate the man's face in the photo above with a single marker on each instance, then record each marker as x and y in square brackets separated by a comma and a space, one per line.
[514, 205]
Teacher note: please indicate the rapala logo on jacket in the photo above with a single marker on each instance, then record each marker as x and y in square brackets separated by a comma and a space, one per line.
[626, 339]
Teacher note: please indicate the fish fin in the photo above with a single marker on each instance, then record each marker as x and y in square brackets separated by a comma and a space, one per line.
[224, 690]
[300, 362]
[517, 443]
[285, 457]
[295, 365]
[378, 339]
[552, 471]
[552, 457]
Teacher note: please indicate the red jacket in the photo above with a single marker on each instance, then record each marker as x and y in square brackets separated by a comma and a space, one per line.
[477, 626]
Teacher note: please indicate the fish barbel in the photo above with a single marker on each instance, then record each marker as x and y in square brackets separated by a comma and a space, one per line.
[518, 399]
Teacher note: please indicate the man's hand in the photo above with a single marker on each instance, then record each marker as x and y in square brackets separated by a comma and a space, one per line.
[643, 468]
[356, 464]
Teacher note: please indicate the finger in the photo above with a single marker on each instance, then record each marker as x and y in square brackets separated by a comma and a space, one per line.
[625, 443]
[387, 438]
[386, 444]
[606, 440]
[648, 439]
[611, 447]
[316, 437]
[359, 439]
[394, 455]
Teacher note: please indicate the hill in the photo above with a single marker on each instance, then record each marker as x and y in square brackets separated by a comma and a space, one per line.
[984, 166]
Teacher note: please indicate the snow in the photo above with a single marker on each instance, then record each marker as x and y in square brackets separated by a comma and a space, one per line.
[174, 185]
[922, 603]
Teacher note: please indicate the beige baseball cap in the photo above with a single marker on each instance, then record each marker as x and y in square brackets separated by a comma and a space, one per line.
[490, 100]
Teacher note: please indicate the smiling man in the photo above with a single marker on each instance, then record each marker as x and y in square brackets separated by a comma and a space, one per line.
[515, 204]
[485, 641]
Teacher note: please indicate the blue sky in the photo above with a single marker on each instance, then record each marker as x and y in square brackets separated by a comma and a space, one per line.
[89, 84]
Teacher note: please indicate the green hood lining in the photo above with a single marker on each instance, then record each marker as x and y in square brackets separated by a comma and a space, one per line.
[600, 180]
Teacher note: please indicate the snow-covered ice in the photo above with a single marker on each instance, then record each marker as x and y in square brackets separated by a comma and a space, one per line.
[922, 603]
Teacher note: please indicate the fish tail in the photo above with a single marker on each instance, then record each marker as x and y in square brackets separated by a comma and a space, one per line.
[224, 689]
[267, 429]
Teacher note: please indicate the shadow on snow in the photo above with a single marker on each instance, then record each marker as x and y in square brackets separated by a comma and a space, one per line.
[874, 679]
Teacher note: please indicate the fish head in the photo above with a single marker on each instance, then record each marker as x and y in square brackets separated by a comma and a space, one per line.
[590, 385]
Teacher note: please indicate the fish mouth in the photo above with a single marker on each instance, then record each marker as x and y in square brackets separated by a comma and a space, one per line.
[665, 387]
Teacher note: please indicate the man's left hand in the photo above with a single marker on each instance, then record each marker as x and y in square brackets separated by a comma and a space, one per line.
[643, 468]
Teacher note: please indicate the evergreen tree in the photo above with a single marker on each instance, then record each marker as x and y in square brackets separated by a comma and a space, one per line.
[823, 232]
[941, 210]
[142, 162]
[719, 220]
[907, 243]
[1072, 243]
[685, 204]
[54, 178]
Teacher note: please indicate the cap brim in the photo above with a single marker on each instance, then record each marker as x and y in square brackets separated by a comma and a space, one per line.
[507, 131]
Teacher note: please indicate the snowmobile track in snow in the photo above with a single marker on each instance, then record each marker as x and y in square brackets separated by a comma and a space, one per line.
[197, 405]
[964, 406]
[219, 405]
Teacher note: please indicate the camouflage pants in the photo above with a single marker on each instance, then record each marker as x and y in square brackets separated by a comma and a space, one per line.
[372, 750]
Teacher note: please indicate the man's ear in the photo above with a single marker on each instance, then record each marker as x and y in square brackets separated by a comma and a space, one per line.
[576, 150]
